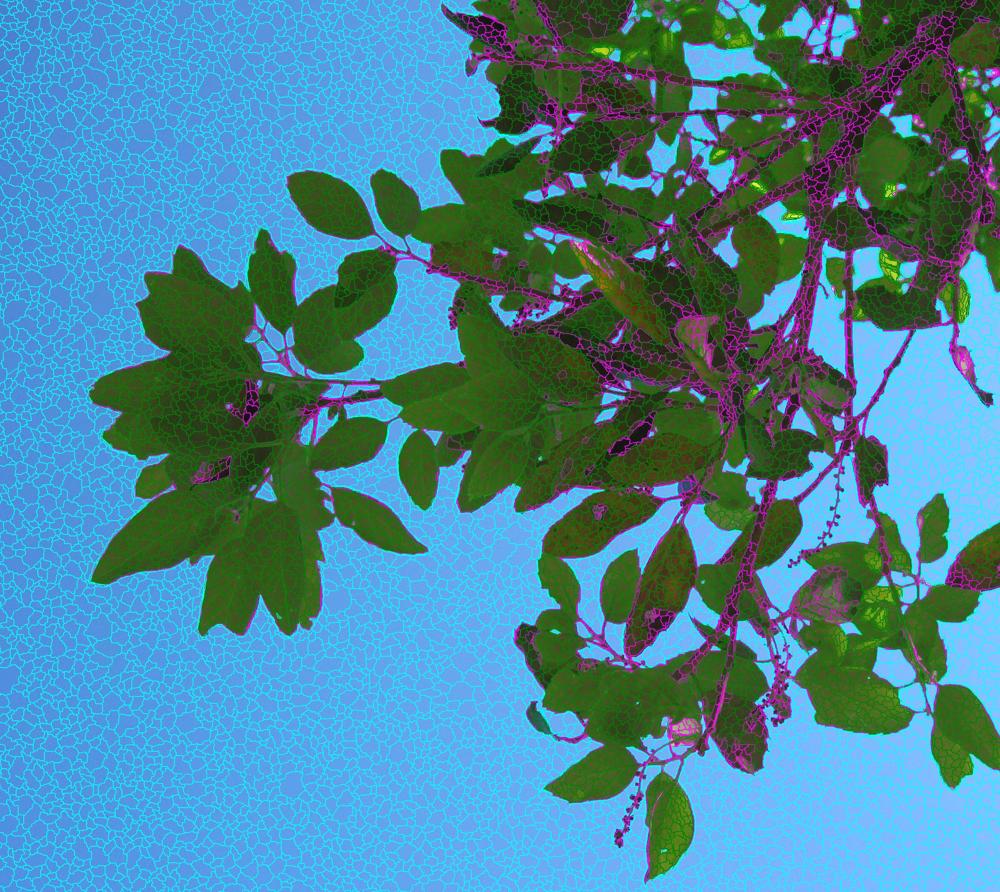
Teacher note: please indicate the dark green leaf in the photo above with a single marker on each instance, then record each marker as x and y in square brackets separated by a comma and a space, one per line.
[601, 774]
[425, 383]
[671, 825]
[319, 344]
[152, 480]
[561, 372]
[437, 414]
[374, 522]
[871, 466]
[666, 583]
[856, 700]
[950, 605]
[588, 148]
[860, 560]
[781, 529]
[231, 593]
[954, 761]
[271, 276]
[558, 578]
[899, 557]
[276, 561]
[507, 161]
[538, 721]
[663, 458]
[784, 457]
[418, 469]
[397, 204]
[351, 441]
[297, 486]
[161, 535]
[932, 522]
[898, 311]
[330, 205]
[962, 718]
[922, 630]
[741, 732]
[830, 594]
[496, 401]
[596, 521]
[620, 586]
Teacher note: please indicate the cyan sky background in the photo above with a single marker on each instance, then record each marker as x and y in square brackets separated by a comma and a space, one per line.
[388, 747]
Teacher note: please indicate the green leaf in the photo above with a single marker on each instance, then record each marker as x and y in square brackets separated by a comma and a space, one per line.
[835, 268]
[558, 578]
[589, 147]
[856, 700]
[319, 344]
[496, 401]
[663, 458]
[298, 487]
[507, 161]
[276, 559]
[954, 761]
[351, 441]
[595, 19]
[590, 526]
[899, 557]
[898, 311]
[977, 566]
[860, 560]
[620, 586]
[756, 241]
[879, 615]
[161, 535]
[781, 529]
[231, 593]
[664, 588]
[830, 594]
[741, 731]
[671, 825]
[437, 414]
[397, 204]
[330, 205]
[742, 650]
[922, 630]
[374, 522]
[777, 12]
[781, 458]
[883, 160]
[976, 47]
[601, 774]
[871, 466]
[962, 718]
[624, 288]
[152, 480]
[932, 523]
[560, 372]
[426, 383]
[950, 605]
[418, 469]
[538, 721]
[271, 276]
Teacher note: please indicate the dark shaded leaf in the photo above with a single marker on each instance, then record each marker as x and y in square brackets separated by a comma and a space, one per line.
[590, 147]
[596, 521]
[898, 311]
[425, 383]
[538, 721]
[871, 466]
[666, 583]
[741, 732]
[330, 205]
[510, 159]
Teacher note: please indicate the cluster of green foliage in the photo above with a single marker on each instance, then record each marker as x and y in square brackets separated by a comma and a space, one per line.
[647, 376]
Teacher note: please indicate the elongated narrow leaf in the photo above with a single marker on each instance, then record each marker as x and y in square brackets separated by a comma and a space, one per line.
[670, 821]
[330, 205]
[161, 535]
[624, 288]
[351, 441]
[538, 721]
[666, 583]
[601, 774]
[271, 276]
[619, 586]
[374, 522]
[418, 469]
[599, 518]
[932, 523]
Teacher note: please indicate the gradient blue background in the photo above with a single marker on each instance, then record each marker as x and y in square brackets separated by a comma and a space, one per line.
[387, 748]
